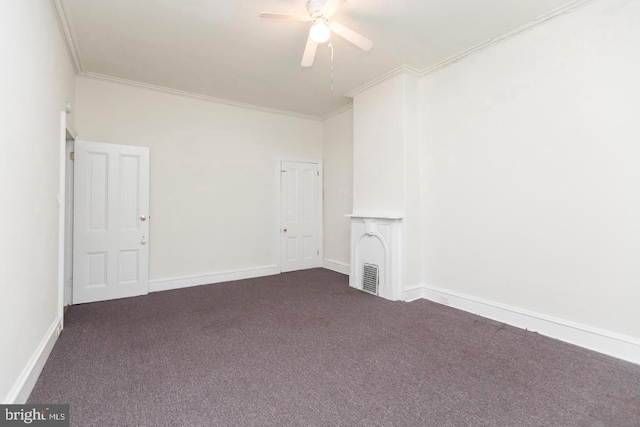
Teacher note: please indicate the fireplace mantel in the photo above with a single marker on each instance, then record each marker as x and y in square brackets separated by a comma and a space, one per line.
[378, 240]
[374, 216]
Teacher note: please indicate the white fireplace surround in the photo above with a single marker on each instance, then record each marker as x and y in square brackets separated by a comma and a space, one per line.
[378, 240]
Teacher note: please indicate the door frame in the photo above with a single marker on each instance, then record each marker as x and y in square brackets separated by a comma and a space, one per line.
[68, 224]
[278, 222]
[65, 128]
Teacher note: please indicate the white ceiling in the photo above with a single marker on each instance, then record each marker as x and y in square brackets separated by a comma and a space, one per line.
[222, 49]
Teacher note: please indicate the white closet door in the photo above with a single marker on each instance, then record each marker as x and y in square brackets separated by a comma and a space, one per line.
[300, 216]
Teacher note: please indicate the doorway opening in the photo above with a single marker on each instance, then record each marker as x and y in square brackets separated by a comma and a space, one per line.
[66, 140]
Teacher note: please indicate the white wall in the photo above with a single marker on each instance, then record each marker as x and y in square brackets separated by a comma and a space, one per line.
[36, 79]
[338, 185]
[213, 172]
[378, 149]
[531, 176]
[412, 222]
[387, 162]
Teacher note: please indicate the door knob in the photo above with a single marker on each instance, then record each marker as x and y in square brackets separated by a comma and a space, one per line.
[143, 217]
[284, 229]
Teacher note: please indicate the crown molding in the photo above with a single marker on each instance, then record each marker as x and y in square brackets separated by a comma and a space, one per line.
[74, 53]
[541, 20]
[163, 89]
[338, 111]
[68, 35]
[403, 69]
[409, 70]
[71, 44]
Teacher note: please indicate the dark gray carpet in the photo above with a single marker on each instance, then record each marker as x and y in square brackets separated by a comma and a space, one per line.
[304, 349]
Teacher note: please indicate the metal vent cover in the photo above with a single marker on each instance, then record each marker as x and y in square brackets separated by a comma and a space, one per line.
[370, 278]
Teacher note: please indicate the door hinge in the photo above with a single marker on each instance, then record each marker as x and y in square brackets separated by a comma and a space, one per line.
[282, 170]
[318, 252]
[318, 173]
[72, 156]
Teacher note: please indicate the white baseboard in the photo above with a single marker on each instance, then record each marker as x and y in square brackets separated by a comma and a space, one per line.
[337, 266]
[206, 279]
[27, 380]
[412, 293]
[609, 343]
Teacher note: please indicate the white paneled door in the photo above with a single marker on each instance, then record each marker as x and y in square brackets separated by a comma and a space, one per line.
[111, 225]
[301, 215]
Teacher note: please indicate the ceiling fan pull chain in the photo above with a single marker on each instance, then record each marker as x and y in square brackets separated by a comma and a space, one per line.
[331, 47]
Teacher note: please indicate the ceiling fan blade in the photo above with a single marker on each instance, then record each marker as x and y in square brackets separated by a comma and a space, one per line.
[309, 52]
[331, 7]
[351, 36]
[284, 16]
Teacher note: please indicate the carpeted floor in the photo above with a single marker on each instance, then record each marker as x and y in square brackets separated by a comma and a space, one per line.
[304, 349]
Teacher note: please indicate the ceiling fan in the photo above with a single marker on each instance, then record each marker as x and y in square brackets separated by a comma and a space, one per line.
[320, 12]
